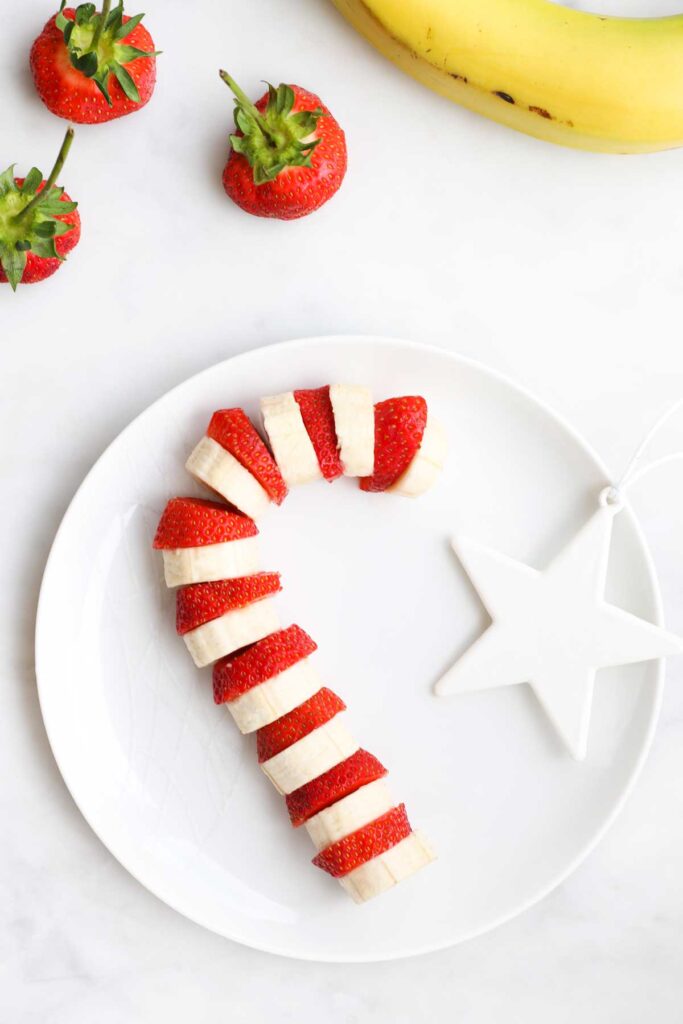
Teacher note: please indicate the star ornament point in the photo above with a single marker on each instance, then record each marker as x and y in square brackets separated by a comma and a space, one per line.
[552, 628]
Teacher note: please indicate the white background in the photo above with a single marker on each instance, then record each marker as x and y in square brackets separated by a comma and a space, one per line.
[562, 269]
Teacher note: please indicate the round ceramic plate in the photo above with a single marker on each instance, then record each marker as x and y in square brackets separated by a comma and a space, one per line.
[173, 790]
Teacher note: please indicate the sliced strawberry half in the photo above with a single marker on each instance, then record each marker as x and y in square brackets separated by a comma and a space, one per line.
[194, 523]
[234, 675]
[233, 430]
[318, 417]
[370, 841]
[338, 782]
[202, 602]
[399, 426]
[318, 709]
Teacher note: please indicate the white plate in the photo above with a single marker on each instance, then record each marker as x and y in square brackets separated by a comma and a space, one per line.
[163, 777]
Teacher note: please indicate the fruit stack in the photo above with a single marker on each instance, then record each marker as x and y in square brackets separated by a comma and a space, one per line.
[226, 615]
[321, 433]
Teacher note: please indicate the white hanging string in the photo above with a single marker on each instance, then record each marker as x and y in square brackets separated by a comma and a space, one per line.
[663, 461]
[634, 471]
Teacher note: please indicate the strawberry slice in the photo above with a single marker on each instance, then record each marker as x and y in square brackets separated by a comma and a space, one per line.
[195, 522]
[318, 417]
[318, 709]
[338, 782]
[202, 602]
[399, 426]
[234, 675]
[359, 847]
[233, 430]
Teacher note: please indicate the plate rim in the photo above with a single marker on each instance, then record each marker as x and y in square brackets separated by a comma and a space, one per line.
[650, 571]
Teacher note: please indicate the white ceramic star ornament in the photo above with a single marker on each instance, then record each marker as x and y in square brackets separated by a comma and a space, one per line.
[553, 628]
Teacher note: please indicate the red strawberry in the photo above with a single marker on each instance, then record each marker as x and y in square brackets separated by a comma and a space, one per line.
[195, 522]
[235, 674]
[368, 842]
[39, 224]
[288, 155]
[318, 709]
[233, 430]
[338, 782]
[318, 417]
[90, 67]
[202, 602]
[399, 426]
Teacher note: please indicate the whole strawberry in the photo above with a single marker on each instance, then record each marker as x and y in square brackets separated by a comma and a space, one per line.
[92, 67]
[288, 155]
[39, 224]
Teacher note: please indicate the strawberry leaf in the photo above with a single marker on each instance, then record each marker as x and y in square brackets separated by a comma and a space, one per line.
[7, 182]
[13, 262]
[115, 18]
[45, 248]
[60, 21]
[61, 228]
[84, 13]
[126, 54]
[46, 229]
[284, 100]
[125, 30]
[85, 63]
[126, 82]
[57, 209]
[306, 120]
[32, 181]
[244, 121]
[101, 83]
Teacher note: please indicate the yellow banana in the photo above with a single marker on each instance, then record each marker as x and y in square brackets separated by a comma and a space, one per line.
[613, 85]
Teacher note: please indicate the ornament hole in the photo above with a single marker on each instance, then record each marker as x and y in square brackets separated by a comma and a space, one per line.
[612, 499]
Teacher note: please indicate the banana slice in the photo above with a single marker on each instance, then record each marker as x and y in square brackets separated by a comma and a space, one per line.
[423, 471]
[219, 470]
[383, 872]
[226, 561]
[354, 422]
[309, 757]
[231, 631]
[276, 697]
[292, 447]
[350, 813]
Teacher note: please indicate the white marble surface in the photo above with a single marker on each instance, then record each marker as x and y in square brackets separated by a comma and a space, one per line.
[562, 269]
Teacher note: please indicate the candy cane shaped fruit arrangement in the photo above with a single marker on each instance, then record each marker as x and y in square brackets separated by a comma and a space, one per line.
[227, 617]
